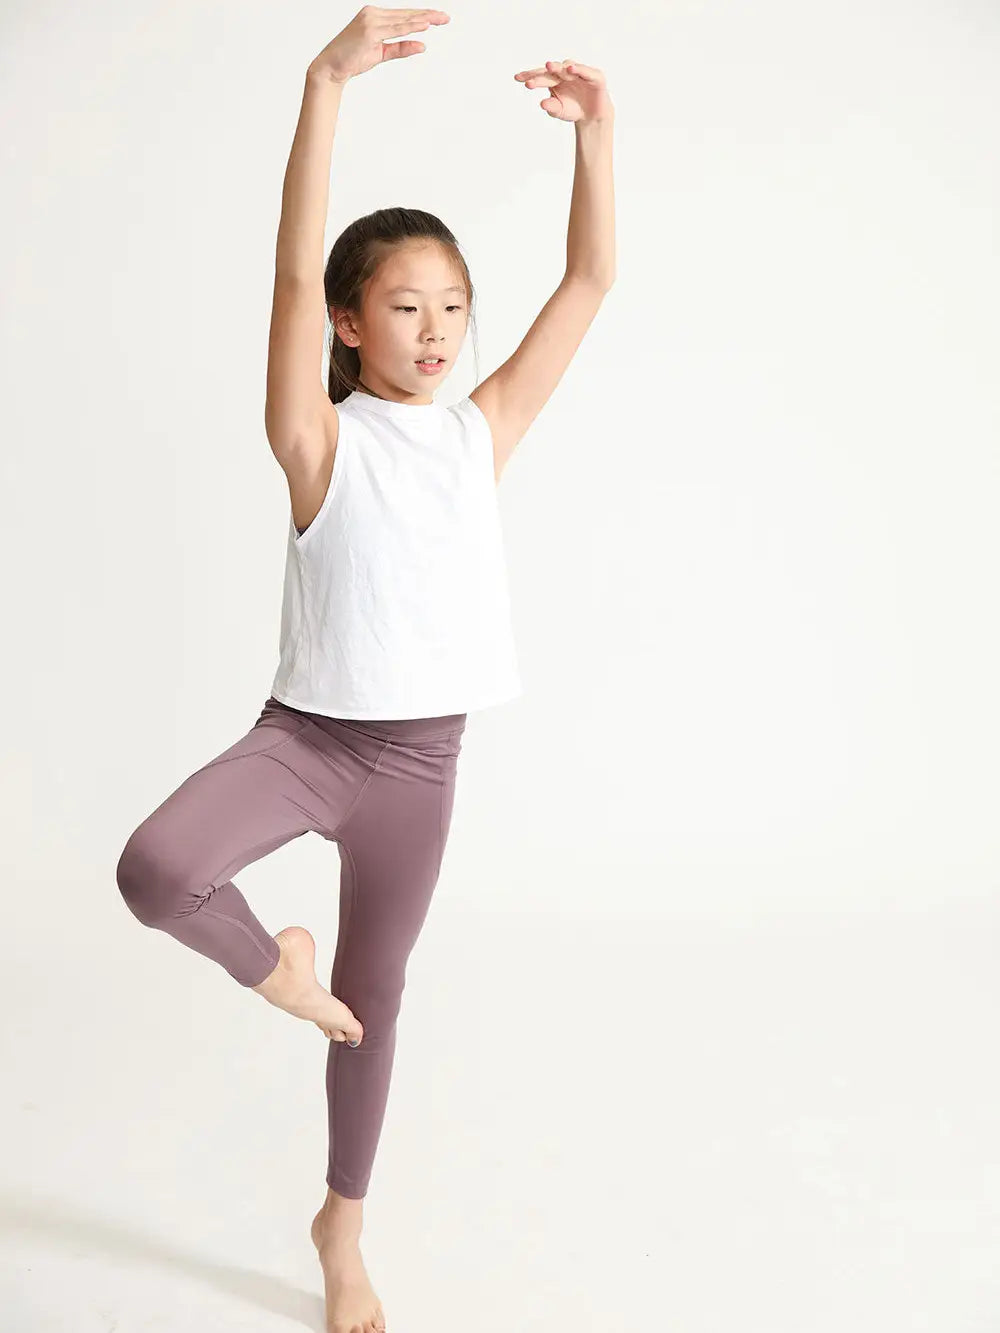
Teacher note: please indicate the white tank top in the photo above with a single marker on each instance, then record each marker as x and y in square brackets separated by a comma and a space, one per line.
[395, 601]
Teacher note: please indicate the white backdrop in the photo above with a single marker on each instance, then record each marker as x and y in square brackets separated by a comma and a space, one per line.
[752, 537]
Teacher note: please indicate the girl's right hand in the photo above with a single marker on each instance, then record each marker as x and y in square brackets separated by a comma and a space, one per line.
[366, 41]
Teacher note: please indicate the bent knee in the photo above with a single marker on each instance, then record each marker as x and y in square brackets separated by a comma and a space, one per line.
[153, 881]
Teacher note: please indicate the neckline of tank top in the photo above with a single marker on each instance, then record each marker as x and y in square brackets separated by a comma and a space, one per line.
[388, 407]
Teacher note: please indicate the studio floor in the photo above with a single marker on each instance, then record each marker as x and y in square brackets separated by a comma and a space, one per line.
[778, 1125]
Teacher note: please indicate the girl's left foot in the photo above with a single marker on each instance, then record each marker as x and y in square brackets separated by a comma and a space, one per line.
[294, 987]
[351, 1303]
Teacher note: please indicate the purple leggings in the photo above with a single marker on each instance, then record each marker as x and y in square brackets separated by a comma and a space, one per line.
[383, 792]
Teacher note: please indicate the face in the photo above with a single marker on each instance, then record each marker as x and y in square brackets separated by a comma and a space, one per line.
[414, 307]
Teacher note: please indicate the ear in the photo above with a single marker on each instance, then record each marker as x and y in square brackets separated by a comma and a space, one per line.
[344, 327]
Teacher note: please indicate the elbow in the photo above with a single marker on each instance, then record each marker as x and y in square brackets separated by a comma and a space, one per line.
[598, 282]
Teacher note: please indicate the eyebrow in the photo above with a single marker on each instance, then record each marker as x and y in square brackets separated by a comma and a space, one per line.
[394, 291]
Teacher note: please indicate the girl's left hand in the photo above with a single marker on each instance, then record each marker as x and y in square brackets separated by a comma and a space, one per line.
[576, 92]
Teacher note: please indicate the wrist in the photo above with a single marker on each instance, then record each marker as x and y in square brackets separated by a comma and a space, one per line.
[605, 118]
[322, 78]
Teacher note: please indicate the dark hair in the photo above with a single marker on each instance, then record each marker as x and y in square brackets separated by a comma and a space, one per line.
[355, 258]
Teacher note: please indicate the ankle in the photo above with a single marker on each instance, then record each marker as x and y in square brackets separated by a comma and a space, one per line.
[341, 1214]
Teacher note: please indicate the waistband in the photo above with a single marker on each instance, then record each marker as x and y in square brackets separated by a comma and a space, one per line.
[388, 729]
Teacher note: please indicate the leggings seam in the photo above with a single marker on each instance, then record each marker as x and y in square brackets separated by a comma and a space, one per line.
[336, 1171]
[254, 754]
[213, 882]
[440, 846]
[333, 1166]
[364, 787]
[222, 916]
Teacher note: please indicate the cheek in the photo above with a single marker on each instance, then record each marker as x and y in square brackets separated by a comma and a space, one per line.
[398, 335]
[386, 339]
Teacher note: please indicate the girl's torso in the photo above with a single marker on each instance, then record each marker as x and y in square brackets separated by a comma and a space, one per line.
[395, 600]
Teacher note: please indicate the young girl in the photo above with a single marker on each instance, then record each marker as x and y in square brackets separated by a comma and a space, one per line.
[395, 621]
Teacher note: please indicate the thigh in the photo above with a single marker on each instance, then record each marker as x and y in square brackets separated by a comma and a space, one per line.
[391, 850]
[233, 810]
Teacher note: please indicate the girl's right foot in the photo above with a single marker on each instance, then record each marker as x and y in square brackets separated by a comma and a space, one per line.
[294, 987]
[351, 1303]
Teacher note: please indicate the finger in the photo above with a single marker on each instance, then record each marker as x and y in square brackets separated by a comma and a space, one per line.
[554, 70]
[539, 69]
[405, 25]
[586, 72]
[542, 81]
[397, 50]
[403, 18]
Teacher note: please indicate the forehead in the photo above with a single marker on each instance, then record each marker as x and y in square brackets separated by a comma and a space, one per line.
[420, 271]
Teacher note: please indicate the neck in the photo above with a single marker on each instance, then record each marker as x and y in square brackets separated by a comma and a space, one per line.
[412, 399]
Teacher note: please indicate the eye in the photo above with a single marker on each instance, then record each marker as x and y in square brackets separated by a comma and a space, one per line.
[404, 307]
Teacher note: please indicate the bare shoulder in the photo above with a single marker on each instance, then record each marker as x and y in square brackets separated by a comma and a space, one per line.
[517, 390]
[485, 396]
[308, 466]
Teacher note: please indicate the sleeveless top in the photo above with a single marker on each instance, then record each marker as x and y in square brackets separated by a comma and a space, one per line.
[395, 601]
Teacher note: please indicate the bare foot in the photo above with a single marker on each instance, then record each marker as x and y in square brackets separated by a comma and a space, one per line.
[294, 987]
[351, 1303]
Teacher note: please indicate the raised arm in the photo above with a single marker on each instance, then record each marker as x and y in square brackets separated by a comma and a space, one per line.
[299, 418]
[517, 390]
[297, 401]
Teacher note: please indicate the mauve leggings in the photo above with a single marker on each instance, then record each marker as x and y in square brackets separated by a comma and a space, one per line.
[383, 792]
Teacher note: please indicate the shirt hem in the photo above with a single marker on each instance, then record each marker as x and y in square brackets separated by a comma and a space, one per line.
[392, 713]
